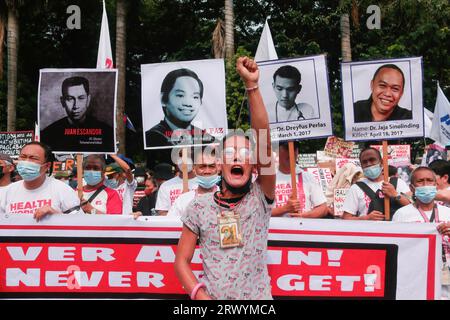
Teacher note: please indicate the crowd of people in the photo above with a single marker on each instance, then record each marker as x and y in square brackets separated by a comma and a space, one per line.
[225, 192]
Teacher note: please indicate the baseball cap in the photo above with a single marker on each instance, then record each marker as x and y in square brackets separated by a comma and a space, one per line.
[163, 171]
[113, 168]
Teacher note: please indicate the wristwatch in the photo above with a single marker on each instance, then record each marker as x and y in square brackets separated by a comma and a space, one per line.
[398, 197]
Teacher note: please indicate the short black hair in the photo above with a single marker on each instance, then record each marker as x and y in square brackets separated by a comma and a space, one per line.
[370, 148]
[289, 72]
[95, 157]
[441, 168]
[172, 76]
[413, 174]
[390, 66]
[48, 154]
[74, 81]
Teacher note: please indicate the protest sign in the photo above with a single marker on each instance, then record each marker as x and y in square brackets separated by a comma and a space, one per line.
[434, 152]
[307, 160]
[340, 162]
[338, 148]
[183, 103]
[396, 151]
[12, 142]
[296, 96]
[338, 203]
[83, 256]
[382, 99]
[77, 110]
[323, 176]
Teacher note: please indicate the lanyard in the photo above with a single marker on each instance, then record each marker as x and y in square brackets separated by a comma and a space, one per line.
[300, 114]
[424, 216]
[226, 204]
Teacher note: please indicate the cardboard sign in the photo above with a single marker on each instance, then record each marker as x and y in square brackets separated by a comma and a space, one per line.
[338, 148]
[307, 160]
[323, 177]
[340, 162]
[12, 142]
[395, 151]
[339, 198]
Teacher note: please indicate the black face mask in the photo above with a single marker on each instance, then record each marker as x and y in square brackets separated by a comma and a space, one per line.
[240, 190]
[1, 172]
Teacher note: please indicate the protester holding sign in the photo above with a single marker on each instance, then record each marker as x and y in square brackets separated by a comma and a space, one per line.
[365, 198]
[425, 209]
[206, 172]
[98, 198]
[38, 194]
[232, 225]
[310, 201]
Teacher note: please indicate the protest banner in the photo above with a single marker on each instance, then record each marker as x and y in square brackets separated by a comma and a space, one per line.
[338, 203]
[323, 176]
[338, 148]
[296, 96]
[382, 99]
[77, 110]
[307, 160]
[81, 256]
[67, 165]
[12, 142]
[395, 152]
[183, 103]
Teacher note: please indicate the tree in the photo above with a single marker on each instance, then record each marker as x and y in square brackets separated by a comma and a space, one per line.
[346, 47]
[121, 46]
[229, 29]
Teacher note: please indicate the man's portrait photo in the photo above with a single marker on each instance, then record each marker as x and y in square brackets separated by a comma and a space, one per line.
[296, 95]
[387, 86]
[77, 110]
[382, 99]
[287, 86]
[183, 111]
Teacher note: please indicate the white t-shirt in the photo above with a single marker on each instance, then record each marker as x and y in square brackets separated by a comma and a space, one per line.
[170, 190]
[312, 191]
[181, 203]
[410, 213]
[54, 193]
[357, 202]
[2, 192]
[126, 192]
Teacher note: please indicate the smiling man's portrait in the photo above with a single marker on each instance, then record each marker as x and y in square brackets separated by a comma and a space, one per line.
[387, 87]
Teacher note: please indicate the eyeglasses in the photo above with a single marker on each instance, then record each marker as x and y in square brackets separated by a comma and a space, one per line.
[230, 153]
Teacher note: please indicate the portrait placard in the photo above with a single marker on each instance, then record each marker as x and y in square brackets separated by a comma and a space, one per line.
[77, 110]
[296, 96]
[183, 103]
[383, 99]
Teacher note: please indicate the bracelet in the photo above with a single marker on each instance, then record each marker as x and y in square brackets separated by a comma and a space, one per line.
[252, 88]
[195, 290]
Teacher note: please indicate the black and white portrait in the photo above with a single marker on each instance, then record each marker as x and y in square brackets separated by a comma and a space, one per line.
[77, 110]
[296, 96]
[383, 99]
[183, 103]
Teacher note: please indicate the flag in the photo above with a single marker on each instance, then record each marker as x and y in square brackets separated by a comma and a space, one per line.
[128, 123]
[440, 128]
[428, 118]
[36, 132]
[104, 55]
[266, 49]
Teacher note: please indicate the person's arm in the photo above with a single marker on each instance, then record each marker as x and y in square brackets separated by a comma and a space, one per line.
[444, 228]
[289, 207]
[389, 190]
[374, 215]
[317, 212]
[185, 251]
[443, 195]
[248, 70]
[125, 167]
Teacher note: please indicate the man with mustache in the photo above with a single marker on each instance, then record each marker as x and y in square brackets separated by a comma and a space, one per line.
[232, 224]
[387, 88]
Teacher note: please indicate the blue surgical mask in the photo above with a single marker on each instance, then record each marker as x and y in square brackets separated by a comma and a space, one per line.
[111, 183]
[425, 194]
[29, 171]
[372, 172]
[93, 177]
[207, 182]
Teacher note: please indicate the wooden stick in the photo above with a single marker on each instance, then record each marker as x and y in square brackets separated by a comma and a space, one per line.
[387, 205]
[80, 175]
[185, 171]
[293, 174]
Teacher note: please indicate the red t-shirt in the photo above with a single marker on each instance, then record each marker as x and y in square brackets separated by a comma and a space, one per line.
[108, 200]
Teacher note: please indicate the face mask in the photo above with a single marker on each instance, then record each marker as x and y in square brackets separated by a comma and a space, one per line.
[425, 194]
[111, 183]
[244, 189]
[372, 172]
[29, 171]
[207, 182]
[93, 177]
[189, 166]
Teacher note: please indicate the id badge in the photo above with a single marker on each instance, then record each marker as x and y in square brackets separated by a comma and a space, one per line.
[229, 230]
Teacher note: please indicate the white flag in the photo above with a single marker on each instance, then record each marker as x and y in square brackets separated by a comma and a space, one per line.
[36, 132]
[104, 55]
[440, 129]
[266, 49]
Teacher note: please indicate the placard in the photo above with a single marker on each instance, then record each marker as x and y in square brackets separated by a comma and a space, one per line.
[12, 142]
[382, 99]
